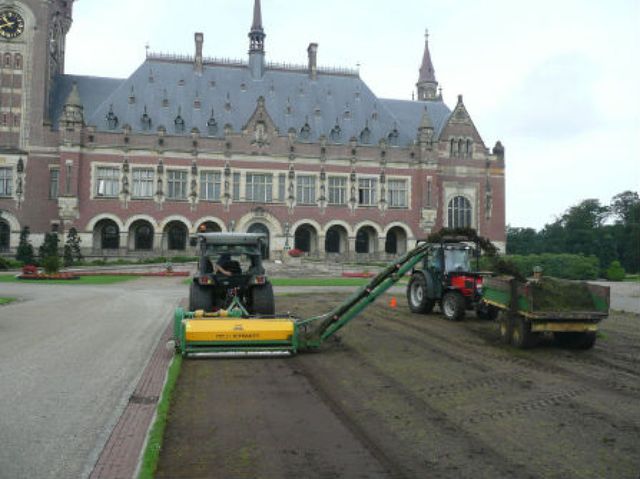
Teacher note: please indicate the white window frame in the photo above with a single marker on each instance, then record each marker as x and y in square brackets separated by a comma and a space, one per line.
[6, 182]
[337, 191]
[54, 191]
[107, 181]
[143, 186]
[210, 185]
[259, 187]
[398, 196]
[367, 191]
[177, 186]
[306, 189]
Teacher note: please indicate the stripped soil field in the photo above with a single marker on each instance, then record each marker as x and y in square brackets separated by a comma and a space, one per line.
[399, 395]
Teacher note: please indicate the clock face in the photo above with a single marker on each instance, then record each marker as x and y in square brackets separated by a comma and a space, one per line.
[11, 24]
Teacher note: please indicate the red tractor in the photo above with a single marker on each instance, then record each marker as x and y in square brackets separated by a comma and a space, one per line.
[445, 277]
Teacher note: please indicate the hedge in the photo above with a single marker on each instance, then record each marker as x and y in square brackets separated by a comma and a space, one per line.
[567, 266]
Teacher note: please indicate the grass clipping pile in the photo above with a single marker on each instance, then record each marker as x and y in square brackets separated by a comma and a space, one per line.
[551, 294]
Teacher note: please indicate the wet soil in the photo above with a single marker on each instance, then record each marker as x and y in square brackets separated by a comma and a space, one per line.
[400, 395]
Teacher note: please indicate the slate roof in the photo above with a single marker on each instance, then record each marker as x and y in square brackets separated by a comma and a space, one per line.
[167, 89]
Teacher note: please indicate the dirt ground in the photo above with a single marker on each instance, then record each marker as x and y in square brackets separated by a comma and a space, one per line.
[399, 395]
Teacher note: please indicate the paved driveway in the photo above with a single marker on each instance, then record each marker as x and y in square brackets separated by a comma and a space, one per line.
[70, 356]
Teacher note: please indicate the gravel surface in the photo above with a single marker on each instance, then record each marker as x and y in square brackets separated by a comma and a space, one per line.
[70, 357]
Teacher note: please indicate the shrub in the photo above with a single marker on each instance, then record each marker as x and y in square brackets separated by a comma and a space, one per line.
[4, 264]
[25, 253]
[615, 272]
[51, 264]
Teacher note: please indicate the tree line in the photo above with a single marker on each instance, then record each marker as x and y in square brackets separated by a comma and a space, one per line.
[610, 233]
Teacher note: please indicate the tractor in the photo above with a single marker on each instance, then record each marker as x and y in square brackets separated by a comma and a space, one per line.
[239, 282]
[445, 277]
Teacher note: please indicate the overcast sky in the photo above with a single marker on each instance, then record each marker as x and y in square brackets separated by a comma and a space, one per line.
[558, 82]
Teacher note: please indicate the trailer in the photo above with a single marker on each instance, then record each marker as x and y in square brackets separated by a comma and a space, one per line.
[570, 310]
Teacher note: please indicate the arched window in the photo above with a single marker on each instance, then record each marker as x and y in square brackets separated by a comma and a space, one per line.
[452, 148]
[469, 148]
[18, 61]
[7, 60]
[460, 147]
[110, 238]
[5, 236]
[177, 236]
[459, 213]
[143, 237]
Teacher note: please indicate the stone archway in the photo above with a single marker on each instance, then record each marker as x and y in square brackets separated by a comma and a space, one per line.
[336, 240]
[209, 227]
[396, 241]
[263, 230]
[366, 240]
[106, 235]
[5, 235]
[141, 235]
[175, 236]
[306, 238]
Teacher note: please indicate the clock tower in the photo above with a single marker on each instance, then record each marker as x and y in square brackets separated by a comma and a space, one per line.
[32, 50]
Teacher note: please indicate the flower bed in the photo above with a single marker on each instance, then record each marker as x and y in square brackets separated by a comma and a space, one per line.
[364, 274]
[43, 276]
[160, 274]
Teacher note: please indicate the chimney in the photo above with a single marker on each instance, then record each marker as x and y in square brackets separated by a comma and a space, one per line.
[313, 60]
[199, 37]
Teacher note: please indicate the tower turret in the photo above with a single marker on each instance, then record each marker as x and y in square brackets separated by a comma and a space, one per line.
[427, 83]
[256, 45]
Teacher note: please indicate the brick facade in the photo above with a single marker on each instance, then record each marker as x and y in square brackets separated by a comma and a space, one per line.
[105, 156]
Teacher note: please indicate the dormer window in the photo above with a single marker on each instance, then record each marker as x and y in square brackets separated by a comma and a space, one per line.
[394, 137]
[179, 123]
[365, 136]
[305, 132]
[112, 119]
[145, 120]
[335, 134]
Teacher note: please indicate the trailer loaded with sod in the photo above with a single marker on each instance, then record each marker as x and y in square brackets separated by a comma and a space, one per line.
[571, 310]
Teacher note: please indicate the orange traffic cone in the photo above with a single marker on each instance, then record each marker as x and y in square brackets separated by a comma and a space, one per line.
[393, 302]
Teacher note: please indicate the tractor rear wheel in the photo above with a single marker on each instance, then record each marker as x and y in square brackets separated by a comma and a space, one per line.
[505, 327]
[487, 312]
[522, 337]
[262, 301]
[417, 295]
[200, 298]
[453, 306]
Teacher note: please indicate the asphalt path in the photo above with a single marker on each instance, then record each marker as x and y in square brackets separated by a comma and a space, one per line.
[70, 357]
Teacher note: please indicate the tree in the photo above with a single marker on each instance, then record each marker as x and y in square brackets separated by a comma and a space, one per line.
[25, 252]
[49, 253]
[72, 251]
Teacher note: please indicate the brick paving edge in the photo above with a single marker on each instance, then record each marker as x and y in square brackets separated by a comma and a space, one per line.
[110, 463]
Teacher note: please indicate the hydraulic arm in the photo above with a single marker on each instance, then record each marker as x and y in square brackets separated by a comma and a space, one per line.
[234, 332]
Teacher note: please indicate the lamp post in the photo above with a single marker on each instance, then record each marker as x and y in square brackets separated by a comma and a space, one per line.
[286, 236]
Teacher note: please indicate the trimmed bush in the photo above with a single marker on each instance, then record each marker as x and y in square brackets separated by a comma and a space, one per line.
[615, 272]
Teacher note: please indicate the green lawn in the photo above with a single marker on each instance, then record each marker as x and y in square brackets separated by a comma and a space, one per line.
[7, 278]
[6, 300]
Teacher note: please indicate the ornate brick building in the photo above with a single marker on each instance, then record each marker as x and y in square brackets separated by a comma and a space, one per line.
[310, 156]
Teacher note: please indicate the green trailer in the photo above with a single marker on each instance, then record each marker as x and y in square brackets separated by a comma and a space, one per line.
[570, 310]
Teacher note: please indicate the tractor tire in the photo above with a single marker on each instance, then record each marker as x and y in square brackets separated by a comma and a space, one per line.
[417, 295]
[577, 340]
[262, 301]
[505, 326]
[453, 306]
[522, 337]
[200, 298]
[487, 312]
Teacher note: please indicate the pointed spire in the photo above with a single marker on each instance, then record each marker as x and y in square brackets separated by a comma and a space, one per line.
[256, 43]
[427, 72]
[427, 83]
[257, 17]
